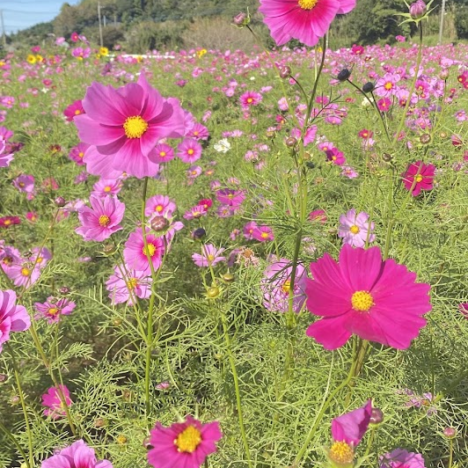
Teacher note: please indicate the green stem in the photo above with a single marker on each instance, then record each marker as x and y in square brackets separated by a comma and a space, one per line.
[18, 446]
[450, 460]
[413, 86]
[237, 389]
[25, 412]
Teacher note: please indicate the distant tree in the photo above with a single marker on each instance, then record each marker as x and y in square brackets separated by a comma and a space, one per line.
[461, 22]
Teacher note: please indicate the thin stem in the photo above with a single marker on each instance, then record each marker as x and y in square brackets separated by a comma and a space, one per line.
[18, 446]
[236, 387]
[450, 460]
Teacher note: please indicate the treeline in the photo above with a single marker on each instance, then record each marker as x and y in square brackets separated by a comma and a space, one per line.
[141, 25]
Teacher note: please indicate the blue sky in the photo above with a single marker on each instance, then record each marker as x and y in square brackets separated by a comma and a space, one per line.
[21, 14]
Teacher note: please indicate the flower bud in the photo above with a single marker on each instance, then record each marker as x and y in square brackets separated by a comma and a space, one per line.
[291, 142]
[450, 432]
[418, 9]
[344, 75]
[60, 202]
[3, 378]
[198, 234]
[425, 138]
[146, 443]
[241, 19]
[284, 72]
[310, 165]
[228, 277]
[213, 292]
[387, 157]
[109, 248]
[377, 416]
[159, 223]
[368, 87]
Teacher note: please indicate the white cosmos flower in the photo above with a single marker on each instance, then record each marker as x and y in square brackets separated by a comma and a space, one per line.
[223, 146]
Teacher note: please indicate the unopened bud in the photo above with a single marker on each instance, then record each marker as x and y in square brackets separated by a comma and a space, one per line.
[284, 72]
[228, 277]
[146, 443]
[60, 202]
[368, 87]
[425, 138]
[198, 234]
[159, 223]
[213, 292]
[64, 290]
[418, 9]
[291, 142]
[344, 74]
[387, 157]
[3, 378]
[377, 416]
[241, 19]
[450, 432]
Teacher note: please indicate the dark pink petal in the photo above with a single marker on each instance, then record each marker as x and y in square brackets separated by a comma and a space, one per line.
[93, 133]
[352, 426]
[329, 332]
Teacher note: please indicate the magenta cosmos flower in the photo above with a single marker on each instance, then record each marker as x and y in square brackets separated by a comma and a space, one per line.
[418, 176]
[189, 150]
[400, 458]
[53, 401]
[53, 308]
[77, 455]
[355, 229]
[136, 254]
[363, 295]
[100, 222]
[184, 444]
[304, 20]
[124, 125]
[12, 317]
[126, 285]
[347, 432]
[276, 286]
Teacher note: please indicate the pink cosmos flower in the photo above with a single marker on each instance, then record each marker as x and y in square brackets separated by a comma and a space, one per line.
[13, 317]
[400, 458]
[53, 308]
[77, 455]
[102, 220]
[419, 176]
[24, 273]
[384, 104]
[73, 110]
[136, 254]
[124, 125]
[24, 183]
[53, 402]
[162, 153]
[9, 256]
[276, 285]
[363, 295]
[249, 229]
[106, 187]
[77, 153]
[189, 150]
[210, 256]
[335, 156]
[125, 285]
[230, 197]
[355, 229]
[349, 172]
[160, 205]
[8, 221]
[318, 215]
[74, 37]
[250, 98]
[198, 132]
[263, 234]
[347, 432]
[304, 20]
[195, 212]
[184, 444]
[463, 308]
[40, 257]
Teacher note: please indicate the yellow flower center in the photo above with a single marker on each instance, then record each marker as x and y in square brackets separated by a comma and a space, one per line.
[53, 311]
[77, 112]
[362, 301]
[210, 258]
[264, 235]
[342, 453]
[249, 100]
[388, 85]
[107, 188]
[135, 127]
[354, 229]
[419, 178]
[104, 220]
[286, 286]
[7, 222]
[25, 271]
[307, 4]
[158, 208]
[150, 250]
[132, 283]
[190, 151]
[188, 440]
[80, 154]
[162, 154]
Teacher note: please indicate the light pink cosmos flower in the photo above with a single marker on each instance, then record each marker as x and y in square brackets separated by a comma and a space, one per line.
[24, 273]
[195, 212]
[124, 126]
[53, 402]
[198, 132]
[210, 256]
[102, 220]
[400, 458]
[160, 205]
[77, 455]
[304, 20]
[54, 308]
[230, 197]
[248, 230]
[13, 317]
[136, 254]
[250, 98]
[363, 295]
[24, 183]
[184, 444]
[276, 286]
[40, 257]
[125, 285]
[355, 229]
[349, 172]
[105, 187]
[189, 150]
[162, 153]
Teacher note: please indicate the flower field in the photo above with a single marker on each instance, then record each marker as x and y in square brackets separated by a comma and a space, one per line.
[213, 258]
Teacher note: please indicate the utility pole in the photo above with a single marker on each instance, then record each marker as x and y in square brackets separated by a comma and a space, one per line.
[100, 24]
[442, 18]
[3, 29]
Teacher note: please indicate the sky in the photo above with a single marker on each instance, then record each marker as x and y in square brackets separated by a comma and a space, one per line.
[21, 14]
